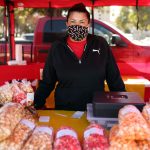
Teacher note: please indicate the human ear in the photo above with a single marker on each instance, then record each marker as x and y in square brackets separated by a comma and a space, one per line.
[67, 24]
[89, 26]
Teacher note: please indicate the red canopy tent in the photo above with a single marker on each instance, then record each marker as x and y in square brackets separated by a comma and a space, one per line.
[11, 4]
[68, 3]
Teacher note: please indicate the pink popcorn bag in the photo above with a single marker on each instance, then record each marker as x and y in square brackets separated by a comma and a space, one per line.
[94, 138]
[66, 138]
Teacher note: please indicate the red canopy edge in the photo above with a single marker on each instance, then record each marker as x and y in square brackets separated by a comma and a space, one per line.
[69, 3]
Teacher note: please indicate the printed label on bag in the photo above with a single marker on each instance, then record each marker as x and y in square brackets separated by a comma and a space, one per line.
[90, 131]
[28, 123]
[64, 132]
[9, 104]
[30, 96]
[44, 129]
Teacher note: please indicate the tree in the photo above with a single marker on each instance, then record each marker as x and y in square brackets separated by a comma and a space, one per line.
[1, 21]
[26, 19]
[128, 18]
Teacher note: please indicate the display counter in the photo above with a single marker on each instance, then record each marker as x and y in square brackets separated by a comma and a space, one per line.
[132, 83]
[30, 72]
[60, 118]
[137, 84]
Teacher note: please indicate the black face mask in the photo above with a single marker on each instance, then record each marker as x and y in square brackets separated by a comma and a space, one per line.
[77, 32]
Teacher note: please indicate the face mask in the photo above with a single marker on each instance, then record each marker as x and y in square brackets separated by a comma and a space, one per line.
[77, 32]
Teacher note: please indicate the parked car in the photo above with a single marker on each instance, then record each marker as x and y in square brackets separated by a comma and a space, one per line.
[25, 42]
[131, 57]
[28, 36]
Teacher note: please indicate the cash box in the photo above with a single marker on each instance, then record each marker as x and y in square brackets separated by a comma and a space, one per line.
[107, 104]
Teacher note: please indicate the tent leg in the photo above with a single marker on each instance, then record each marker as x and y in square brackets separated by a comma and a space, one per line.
[93, 16]
[11, 29]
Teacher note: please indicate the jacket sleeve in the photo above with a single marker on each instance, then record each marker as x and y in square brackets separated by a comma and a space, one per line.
[113, 77]
[47, 84]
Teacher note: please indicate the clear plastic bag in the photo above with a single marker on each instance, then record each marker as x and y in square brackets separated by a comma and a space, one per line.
[95, 138]
[19, 136]
[146, 113]
[19, 96]
[25, 86]
[66, 138]
[132, 125]
[143, 145]
[41, 139]
[6, 94]
[10, 115]
[117, 143]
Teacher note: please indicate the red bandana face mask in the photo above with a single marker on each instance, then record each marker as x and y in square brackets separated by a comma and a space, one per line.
[77, 32]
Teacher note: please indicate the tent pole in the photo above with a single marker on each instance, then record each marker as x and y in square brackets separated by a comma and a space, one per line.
[51, 15]
[93, 16]
[5, 33]
[11, 28]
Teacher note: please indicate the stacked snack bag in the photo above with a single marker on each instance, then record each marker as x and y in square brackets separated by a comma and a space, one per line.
[66, 139]
[95, 138]
[6, 93]
[146, 113]
[117, 143]
[41, 139]
[132, 131]
[10, 115]
[19, 96]
[18, 130]
[20, 92]
[19, 136]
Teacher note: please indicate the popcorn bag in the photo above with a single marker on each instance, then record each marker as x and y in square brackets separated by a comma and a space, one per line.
[146, 113]
[94, 138]
[143, 145]
[19, 136]
[5, 94]
[19, 96]
[132, 125]
[41, 139]
[29, 115]
[10, 115]
[66, 139]
[117, 143]
[29, 99]
[25, 86]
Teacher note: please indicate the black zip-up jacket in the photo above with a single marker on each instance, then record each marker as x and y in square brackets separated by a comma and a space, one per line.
[78, 79]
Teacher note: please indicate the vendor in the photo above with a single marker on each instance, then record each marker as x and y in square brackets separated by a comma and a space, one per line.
[79, 63]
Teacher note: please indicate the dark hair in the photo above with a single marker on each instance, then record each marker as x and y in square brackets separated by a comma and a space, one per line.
[80, 7]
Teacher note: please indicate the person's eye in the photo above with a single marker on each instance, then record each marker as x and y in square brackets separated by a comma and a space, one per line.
[82, 22]
[72, 21]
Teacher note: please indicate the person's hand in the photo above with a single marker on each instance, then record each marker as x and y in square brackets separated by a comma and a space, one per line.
[32, 110]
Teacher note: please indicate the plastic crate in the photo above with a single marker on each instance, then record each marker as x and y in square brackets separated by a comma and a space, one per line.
[106, 122]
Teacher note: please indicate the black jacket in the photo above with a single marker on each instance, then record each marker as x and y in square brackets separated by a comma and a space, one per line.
[78, 79]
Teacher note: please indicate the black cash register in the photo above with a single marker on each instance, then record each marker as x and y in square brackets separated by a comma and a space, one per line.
[107, 104]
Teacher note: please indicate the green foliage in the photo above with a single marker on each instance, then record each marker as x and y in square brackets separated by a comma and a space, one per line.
[1, 20]
[129, 16]
[26, 19]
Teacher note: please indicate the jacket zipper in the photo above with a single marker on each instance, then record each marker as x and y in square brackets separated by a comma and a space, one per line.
[79, 60]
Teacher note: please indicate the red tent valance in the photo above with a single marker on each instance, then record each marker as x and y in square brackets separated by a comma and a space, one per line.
[68, 3]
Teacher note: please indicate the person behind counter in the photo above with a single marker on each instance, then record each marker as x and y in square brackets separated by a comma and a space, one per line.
[79, 63]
